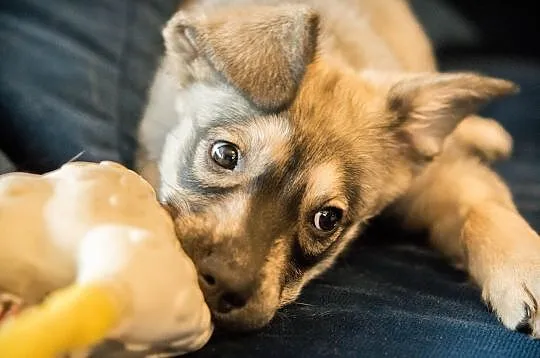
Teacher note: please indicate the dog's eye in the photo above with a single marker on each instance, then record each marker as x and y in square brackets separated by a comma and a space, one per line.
[225, 154]
[327, 219]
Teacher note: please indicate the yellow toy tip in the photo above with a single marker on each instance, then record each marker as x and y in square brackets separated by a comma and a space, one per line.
[70, 319]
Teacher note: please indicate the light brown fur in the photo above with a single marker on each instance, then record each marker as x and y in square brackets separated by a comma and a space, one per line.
[355, 85]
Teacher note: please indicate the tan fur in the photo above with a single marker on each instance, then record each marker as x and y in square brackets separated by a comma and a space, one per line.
[483, 137]
[367, 124]
[325, 180]
[471, 217]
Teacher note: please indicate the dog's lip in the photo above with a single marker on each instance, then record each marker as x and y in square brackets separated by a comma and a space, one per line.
[229, 323]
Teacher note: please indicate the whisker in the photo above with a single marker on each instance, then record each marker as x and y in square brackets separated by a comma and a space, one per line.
[174, 198]
[304, 304]
[76, 157]
[283, 316]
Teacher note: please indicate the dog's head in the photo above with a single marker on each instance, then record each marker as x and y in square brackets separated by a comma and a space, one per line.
[280, 156]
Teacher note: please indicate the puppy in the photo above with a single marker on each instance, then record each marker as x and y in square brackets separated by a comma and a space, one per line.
[274, 132]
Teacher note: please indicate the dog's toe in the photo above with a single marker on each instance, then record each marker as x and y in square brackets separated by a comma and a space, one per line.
[525, 325]
[515, 305]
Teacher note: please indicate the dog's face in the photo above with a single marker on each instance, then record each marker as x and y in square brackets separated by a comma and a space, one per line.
[280, 157]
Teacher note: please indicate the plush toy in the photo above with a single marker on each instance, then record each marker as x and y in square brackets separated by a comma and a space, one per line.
[93, 256]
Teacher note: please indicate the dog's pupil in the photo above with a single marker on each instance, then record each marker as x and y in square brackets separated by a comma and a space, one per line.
[225, 155]
[327, 219]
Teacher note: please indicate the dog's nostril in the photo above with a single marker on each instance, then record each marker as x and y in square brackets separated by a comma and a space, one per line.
[209, 279]
[234, 300]
[230, 301]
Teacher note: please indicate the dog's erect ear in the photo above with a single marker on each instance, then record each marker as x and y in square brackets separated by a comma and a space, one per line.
[428, 107]
[262, 51]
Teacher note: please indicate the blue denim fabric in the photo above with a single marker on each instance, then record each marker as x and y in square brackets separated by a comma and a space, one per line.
[73, 76]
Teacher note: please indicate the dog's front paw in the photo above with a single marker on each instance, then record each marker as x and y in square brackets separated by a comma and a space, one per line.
[504, 258]
[513, 295]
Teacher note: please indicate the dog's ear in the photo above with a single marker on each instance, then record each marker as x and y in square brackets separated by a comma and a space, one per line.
[426, 108]
[262, 51]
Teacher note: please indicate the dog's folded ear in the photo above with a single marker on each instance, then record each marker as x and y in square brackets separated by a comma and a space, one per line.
[262, 51]
[426, 108]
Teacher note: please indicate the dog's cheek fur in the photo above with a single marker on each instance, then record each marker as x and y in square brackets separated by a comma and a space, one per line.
[297, 273]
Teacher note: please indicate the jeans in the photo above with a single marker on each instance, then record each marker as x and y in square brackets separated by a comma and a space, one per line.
[73, 78]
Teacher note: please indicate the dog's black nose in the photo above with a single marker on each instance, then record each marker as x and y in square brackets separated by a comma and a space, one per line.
[225, 288]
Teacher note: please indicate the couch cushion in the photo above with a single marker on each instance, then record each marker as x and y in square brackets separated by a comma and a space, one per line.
[6, 165]
[69, 83]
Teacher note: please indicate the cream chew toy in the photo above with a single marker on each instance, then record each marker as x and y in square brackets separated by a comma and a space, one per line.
[94, 237]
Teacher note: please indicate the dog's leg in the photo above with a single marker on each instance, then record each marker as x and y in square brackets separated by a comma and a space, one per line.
[471, 217]
[479, 137]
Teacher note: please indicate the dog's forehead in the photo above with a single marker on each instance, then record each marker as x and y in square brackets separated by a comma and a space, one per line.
[212, 104]
[270, 140]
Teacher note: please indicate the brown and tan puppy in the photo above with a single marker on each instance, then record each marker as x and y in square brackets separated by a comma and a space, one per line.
[275, 131]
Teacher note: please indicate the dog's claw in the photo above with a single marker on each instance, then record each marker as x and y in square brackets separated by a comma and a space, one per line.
[524, 327]
[528, 312]
[515, 302]
[489, 307]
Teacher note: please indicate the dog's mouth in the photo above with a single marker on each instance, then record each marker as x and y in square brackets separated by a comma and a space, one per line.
[249, 318]
[241, 296]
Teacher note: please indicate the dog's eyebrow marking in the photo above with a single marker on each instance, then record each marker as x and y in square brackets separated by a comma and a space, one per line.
[325, 181]
[324, 177]
[269, 142]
